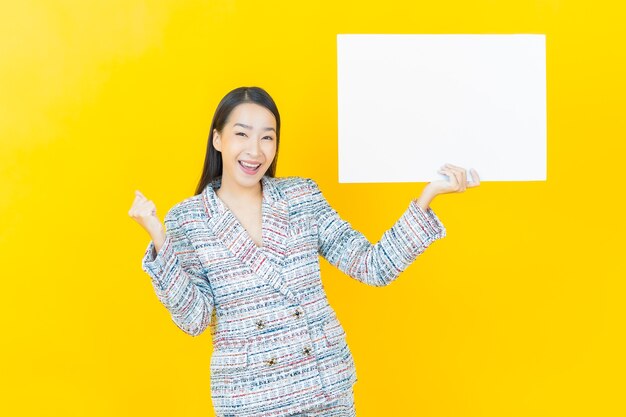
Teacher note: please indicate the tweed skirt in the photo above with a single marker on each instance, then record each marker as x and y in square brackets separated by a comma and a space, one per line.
[343, 406]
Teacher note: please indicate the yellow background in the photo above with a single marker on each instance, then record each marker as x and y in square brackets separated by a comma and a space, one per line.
[519, 311]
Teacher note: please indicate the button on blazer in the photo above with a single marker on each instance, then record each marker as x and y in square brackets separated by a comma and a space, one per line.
[278, 346]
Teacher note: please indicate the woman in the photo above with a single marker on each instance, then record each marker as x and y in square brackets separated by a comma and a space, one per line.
[242, 256]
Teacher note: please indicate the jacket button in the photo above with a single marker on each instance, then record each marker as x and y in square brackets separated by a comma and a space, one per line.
[297, 313]
[307, 350]
[271, 362]
[260, 324]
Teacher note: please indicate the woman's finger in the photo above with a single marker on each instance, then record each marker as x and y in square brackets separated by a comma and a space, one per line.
[446, 172]
[453, 166]
[461, 174]
[454, 178]
[462, 179]
[475, 179]
[135, 206]
[458, 177]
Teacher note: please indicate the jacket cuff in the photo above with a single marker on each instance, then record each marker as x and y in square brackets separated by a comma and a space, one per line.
[430, 227]
[158, 264]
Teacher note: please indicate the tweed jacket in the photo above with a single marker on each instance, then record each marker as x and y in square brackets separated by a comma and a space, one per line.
[278, 346]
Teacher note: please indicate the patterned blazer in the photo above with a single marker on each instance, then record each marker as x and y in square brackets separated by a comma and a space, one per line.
[278, 346]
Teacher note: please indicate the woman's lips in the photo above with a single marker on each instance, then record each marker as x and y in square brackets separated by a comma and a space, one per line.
[250, 171]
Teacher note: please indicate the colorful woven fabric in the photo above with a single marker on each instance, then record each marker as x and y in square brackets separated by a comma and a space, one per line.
[343, 406]
[278, 346]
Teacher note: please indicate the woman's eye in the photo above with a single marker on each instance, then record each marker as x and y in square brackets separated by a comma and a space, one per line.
[243, 134]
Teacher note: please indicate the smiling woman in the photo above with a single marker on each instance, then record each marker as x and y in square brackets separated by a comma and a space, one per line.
[242, 257]
[247, 144]
[245, 131]
[244, 139]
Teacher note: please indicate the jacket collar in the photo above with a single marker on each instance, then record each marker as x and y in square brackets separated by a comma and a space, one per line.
[266, 262]
[215, 206]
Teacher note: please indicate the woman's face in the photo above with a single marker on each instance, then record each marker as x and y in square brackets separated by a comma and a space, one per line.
[247, 144]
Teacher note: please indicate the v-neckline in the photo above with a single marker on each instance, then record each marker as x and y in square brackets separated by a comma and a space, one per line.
[265, 261]
[225, 208]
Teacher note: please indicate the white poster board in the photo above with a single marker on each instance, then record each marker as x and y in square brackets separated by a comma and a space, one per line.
[409, 103]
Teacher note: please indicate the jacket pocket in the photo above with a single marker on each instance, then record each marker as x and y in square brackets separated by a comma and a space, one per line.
[333, 332]
[228, 374]
[229, 359]
[229, 371]
[336, 365]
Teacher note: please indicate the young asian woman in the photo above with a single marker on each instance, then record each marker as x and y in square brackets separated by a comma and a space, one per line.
[241, 257]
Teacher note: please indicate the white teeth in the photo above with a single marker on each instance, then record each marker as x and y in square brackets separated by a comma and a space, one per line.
[249, 166]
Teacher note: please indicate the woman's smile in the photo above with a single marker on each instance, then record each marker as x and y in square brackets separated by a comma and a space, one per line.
[250, 169]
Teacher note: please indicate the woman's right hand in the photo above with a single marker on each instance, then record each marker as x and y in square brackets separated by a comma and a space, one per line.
[143, 211]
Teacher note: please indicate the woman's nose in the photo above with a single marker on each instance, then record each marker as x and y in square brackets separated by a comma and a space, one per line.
[254, 147]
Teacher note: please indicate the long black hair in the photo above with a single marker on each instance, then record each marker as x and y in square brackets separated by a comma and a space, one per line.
[213, 160]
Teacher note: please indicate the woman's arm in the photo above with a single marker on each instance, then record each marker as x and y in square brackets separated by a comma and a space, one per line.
[373, 264]
[178, 278]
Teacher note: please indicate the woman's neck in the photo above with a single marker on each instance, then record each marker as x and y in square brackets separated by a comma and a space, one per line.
[235, 195]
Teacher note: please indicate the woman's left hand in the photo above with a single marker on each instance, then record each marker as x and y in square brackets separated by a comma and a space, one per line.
[457, 180]
[457, 183]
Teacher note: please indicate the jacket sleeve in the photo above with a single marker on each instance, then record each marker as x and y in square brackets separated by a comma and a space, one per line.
[373, 264]
[178, 279]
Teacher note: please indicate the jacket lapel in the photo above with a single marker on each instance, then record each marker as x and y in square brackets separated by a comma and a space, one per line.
[266, 262]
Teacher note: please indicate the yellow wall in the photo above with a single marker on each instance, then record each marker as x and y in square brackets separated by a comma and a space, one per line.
[519, 311]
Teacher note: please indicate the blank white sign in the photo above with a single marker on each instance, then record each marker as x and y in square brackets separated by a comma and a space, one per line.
[410, 103]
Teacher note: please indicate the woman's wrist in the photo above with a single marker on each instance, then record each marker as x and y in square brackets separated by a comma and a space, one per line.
[424, 200]
[158, 237]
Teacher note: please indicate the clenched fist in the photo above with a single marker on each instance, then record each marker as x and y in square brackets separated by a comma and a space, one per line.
[143, 211]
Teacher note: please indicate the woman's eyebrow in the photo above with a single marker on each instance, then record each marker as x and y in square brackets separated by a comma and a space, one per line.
[250, 127]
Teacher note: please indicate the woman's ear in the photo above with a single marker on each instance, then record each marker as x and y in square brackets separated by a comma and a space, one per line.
[217, 142]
